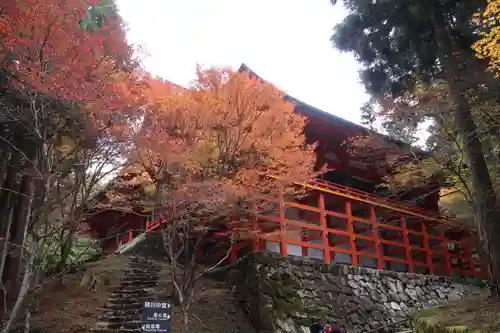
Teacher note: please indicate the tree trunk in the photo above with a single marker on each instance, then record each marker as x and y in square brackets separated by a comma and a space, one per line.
[25, 287]
[18, 235]
[6, 208]
[66, 246]
[484, 196]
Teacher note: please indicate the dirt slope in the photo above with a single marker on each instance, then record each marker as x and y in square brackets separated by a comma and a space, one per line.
[76, 309]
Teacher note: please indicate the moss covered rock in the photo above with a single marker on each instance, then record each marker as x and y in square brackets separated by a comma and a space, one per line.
[477, 314]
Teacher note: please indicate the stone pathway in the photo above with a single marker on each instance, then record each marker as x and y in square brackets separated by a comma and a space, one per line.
[138, 283]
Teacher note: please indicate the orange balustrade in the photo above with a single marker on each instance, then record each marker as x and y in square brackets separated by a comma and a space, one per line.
[430, 255]
[393, 236]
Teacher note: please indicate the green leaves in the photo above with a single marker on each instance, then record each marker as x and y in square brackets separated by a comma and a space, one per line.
[82, 250]
[395, 40]
[97, 13]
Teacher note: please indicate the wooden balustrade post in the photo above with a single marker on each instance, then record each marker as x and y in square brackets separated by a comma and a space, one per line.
[352, 235]
[324, 230]
[428, 253]
[283, 241]
[468, 257]
[148, 226]
[305, 239]
[373, 221]
[130, 235]
[255, 227]
[447, 258]
[234, 253]
[406, 242]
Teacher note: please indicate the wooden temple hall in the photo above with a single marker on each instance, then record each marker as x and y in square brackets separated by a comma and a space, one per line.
[343, 219]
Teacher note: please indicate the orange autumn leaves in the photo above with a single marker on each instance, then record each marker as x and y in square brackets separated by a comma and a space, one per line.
[46, 50]
[224, 131]
[227, 129]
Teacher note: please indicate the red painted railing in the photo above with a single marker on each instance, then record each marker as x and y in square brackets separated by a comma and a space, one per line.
[410, 238]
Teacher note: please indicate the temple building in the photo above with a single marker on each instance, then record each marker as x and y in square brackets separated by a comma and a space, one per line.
[346, 218]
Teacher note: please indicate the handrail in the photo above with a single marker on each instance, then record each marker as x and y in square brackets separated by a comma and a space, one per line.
[354, 194]
[383, 202]
[376, 200]
[373, 240]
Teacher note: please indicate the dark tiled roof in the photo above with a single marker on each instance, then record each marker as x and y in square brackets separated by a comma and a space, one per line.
[329, 117]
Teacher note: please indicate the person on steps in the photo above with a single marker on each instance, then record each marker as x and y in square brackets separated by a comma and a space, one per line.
[318, 328]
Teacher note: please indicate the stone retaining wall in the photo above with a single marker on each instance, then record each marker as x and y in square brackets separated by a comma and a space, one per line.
[288, 294]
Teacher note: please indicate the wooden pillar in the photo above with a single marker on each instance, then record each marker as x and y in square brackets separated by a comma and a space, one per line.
[406, 242]
[234, 253]
[324, 230]
[130, 235]
[447, 259]
[468, 257]
[350, 230]
[376, 239]
[255, 227]
[304, 239]
[283, 243]
[428, 253]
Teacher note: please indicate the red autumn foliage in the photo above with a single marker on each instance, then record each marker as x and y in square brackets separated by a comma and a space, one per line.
[227, 130]
[47, 51]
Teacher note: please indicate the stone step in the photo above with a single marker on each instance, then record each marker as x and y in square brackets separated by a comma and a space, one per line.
[108, 330]
[141, 270]
[127, 298]
[125, 301]
[140, 259]
[122, 294]
[120, 313]
[132, 324]
[150, 275]
[129, 306]
[133, 290]
[118, 319]
[142, 284]
[137, 276]
[143, 264]
[143, 278]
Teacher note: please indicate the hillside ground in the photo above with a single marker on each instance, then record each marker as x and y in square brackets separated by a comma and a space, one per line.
[73, 308]
[480, 314]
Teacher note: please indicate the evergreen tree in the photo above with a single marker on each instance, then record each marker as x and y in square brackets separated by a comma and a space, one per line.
[404, 43]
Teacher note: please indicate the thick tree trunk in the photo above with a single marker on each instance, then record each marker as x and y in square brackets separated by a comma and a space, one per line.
[484, 196]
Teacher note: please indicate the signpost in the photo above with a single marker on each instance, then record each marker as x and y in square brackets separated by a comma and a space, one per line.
[155, 316]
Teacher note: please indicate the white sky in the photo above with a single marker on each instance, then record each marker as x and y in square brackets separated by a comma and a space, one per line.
[286, 42]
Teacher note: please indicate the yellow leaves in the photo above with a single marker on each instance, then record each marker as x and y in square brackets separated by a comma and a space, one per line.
[488, 47]
[452, 202]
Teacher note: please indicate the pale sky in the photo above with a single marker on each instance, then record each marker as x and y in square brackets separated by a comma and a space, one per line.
[286, 42]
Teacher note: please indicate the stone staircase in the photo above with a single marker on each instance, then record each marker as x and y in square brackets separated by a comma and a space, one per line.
[138, 284]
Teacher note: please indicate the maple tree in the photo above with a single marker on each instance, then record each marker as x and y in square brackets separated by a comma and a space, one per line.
[50, 48]
[488, 46]
[71, 89]
[210, 150]
[231, 128]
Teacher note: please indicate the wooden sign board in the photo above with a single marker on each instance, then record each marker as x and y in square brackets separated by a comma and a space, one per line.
[155, 316]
